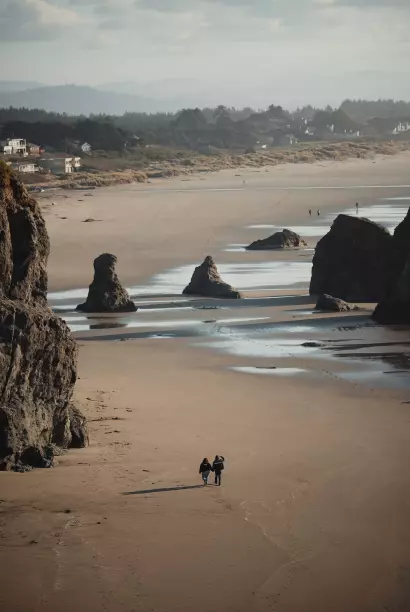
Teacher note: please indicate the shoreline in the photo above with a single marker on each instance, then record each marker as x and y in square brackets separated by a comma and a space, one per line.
[172, 222]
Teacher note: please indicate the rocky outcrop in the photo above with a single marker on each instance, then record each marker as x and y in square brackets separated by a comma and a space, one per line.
[206, 281]
[38, 355]
[394, 309]
[332, 304]
[286, 239]
[106, 294]
[353, 261]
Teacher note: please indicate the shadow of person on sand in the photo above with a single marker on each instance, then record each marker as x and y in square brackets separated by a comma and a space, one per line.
[145, 491]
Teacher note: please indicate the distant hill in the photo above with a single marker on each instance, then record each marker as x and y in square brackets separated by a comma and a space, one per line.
[79, 100]
[14, 86]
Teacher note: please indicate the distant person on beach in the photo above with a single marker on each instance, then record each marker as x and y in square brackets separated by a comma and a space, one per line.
[205, 469]
[357, 207]
[217, 467]
[318, 212]
[310, 212]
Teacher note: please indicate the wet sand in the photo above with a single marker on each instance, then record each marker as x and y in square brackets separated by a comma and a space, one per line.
[310, 410]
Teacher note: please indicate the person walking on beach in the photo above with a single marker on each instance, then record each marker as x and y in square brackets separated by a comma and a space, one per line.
[310, 212]
[318, 212]
[357, 207]
[217, 467]
[205, 469]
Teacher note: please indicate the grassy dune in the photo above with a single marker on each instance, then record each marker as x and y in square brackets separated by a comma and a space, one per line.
[103, 172]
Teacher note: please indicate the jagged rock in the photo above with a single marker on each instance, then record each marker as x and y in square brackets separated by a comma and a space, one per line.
[328, 302]
[353, 260]
[38, 355]
[106, 294]
[207, 282]
[286, 239]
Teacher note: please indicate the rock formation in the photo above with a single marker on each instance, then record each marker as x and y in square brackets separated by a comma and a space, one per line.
[286, 239]
[106, 294]
[38, 355]
[332, 304]
[395, 307]
[353, 261]
[207, 282]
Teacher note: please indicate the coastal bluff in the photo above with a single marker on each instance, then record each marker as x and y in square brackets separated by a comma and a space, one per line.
[38, 354]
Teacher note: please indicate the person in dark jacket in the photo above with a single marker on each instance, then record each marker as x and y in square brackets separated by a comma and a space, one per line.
[217, 467]
[205, 469]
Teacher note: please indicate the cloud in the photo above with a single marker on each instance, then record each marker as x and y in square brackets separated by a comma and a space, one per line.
[28, 20]
[371, 4]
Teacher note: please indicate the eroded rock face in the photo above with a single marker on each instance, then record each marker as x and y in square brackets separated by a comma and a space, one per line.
[106, 294]
[332, 304]
[206, 281]
[353, 261]
[38, 355]
[286, 239]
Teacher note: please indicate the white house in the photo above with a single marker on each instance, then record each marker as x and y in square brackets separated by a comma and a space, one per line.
[61, 165]
[401, 127]
[14, 146]
[22, 166]
[5, 148]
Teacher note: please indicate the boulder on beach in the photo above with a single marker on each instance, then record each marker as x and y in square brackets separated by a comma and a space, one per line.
[286, 239]
[38, 354]
[333, 304]
[106, 294]
[353, 261]
[206, 281]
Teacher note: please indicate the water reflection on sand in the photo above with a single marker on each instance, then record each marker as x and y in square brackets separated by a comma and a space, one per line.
[303, 343]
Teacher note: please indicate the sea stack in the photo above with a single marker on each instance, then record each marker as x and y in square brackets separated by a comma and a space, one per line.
[206, 281]
[395, 307]
[352, 261]
[38, 354]
[106, 294]
[286, 239]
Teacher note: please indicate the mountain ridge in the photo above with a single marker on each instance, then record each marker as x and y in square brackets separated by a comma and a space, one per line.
[80, 100]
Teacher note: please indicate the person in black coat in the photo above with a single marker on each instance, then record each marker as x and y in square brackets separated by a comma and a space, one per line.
[205, 469]
[217, 467]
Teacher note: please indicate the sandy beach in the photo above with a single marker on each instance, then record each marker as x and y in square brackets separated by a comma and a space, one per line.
[312, 514]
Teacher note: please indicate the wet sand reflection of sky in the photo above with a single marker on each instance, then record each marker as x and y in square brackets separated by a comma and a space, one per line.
[297, 347]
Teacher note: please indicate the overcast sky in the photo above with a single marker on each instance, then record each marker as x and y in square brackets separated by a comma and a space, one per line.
[230, 51]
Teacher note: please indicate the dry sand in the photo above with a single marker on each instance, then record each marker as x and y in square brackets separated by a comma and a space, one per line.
[313, 511]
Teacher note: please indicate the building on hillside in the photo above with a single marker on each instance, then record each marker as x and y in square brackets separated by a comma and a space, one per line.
[33, 149]
[61, 164]
[284, 139]
[24, 166]
[5, 148]
[389, 126]
[14, 146]
[401, 127]
[310, 130]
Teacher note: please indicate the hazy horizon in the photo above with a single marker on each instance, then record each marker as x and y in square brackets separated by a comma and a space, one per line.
[207, 52]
